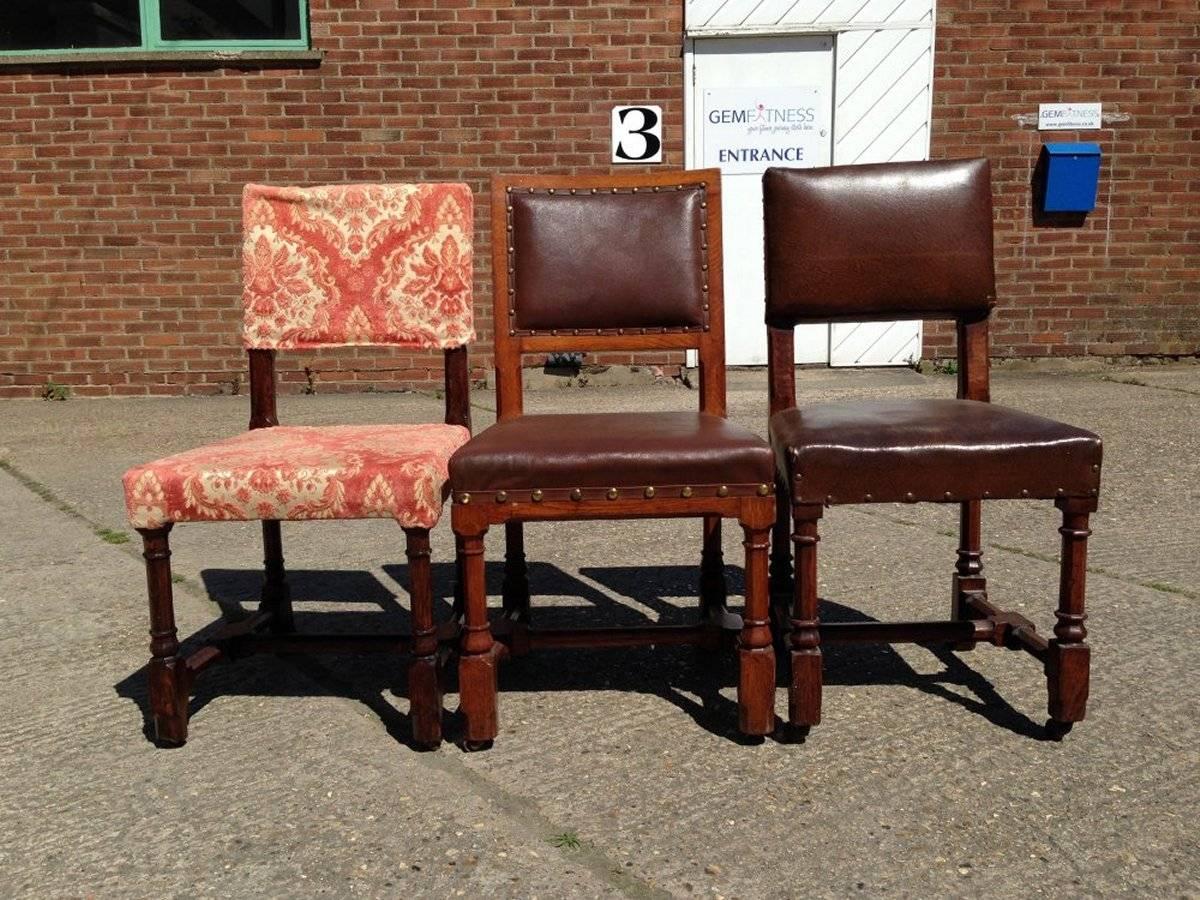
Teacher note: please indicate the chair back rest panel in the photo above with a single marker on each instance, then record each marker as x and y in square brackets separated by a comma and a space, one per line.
[878, 242]
[617, 262]
[607, 261]
[357, 265]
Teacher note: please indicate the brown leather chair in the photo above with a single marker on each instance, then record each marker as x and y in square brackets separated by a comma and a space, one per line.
[904, 241]
[626, 263]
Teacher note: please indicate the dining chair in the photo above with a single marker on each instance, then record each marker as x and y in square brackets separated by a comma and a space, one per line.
[902, 241]
[610, 263]
[331, 266]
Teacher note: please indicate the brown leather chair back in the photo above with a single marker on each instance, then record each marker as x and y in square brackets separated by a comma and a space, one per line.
[615, 262]
[879, 242]
[607, 260]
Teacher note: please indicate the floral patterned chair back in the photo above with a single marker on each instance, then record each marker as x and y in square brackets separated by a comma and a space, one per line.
[358, 264]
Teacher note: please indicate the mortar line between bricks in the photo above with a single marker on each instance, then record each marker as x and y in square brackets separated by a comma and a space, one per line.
[1159, 586]
[520, 811]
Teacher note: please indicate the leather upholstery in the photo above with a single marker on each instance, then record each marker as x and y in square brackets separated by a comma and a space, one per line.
[937, 450]
[300, 472]
[609, 260]
[878, 242]
[639, 449]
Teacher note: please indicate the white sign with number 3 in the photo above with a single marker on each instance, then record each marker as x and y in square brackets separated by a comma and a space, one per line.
[637, 135]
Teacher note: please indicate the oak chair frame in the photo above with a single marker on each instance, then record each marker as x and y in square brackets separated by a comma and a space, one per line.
[271, 629]
[973, 617]
[471, 516]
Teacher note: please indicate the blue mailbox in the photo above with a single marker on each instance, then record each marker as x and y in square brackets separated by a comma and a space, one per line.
[1072, 173]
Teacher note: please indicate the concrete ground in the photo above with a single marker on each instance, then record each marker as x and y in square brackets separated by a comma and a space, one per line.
[617, 772]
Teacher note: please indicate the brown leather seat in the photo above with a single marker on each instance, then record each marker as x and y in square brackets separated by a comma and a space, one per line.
[914, 450]
[606, 450]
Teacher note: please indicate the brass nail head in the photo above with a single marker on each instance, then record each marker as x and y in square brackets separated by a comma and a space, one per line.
[536, 496]
[501, 497]
[686, 492]
[763, 490]
[464, 499]
[723, 491]
[576, 494]
[613, 493]
[648, 492]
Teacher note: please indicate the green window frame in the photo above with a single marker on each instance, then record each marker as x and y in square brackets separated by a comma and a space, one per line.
[153, 42]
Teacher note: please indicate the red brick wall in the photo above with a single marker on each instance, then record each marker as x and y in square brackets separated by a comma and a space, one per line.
[120, 192]
[119, 218]
[1128, 280]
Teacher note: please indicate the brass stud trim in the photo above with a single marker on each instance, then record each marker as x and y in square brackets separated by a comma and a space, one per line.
[576, 494]
[686, 492]
[501, 497]
[536, 496]
[763, 490]
[909, 498]
[464, 499]
[613, 493]
[648, 493]
[723, 491]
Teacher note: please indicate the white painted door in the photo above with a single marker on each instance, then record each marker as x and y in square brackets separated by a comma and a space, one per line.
[881, 114]
[752, 103]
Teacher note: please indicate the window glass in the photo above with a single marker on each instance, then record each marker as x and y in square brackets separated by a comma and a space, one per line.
[69, 24]
[229, 20]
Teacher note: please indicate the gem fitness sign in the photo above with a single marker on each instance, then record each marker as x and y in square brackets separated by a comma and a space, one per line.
[748, 129]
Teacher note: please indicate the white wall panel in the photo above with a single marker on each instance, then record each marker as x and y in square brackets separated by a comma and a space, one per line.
[834, 15]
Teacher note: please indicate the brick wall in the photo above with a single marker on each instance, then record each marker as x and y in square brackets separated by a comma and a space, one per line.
[1128, 280]
[119, 190]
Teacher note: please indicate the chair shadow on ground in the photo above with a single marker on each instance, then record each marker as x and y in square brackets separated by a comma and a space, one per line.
[701, 683]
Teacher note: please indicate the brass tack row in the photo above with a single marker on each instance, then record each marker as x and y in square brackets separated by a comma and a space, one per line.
[537, 495]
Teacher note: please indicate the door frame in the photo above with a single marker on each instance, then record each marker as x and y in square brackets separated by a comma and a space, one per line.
[692, 150]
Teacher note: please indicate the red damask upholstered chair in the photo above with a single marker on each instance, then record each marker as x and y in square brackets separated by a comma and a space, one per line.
[323, 267]
[623, 263]
[906, 241]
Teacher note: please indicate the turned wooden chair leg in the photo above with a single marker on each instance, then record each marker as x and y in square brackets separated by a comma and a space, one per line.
[477, 659]
[968, 571]
[169, 678]
[276, 594]
[424, 686]
[460, 604]
[515, 590]
[781, 562]
[714, 591]
[1069, 659]
[804, 696]
[756, 652]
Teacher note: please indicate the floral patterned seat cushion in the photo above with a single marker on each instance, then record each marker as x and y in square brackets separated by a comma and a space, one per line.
[301, 472]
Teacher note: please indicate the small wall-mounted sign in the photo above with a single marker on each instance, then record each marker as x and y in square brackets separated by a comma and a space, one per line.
[1068, 116]
[637, 135]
